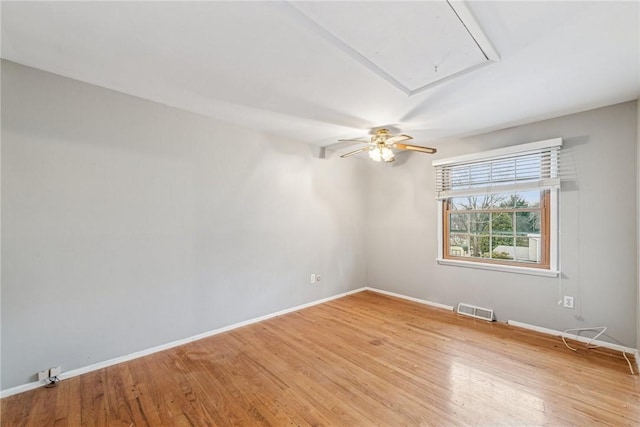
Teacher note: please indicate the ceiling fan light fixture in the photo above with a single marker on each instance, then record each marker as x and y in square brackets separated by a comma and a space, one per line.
[387, 154]
[375, 154]
[380, 153]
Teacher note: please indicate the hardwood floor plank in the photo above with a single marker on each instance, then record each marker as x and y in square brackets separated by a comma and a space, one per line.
[365, 359]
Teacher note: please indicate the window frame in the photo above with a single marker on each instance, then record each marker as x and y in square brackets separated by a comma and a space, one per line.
[549, 212]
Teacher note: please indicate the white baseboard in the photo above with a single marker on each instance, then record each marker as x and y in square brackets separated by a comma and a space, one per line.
[96, 366]
[575, 337]
[421, 301]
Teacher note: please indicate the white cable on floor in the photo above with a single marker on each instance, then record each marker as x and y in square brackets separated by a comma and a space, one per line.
[604, 328]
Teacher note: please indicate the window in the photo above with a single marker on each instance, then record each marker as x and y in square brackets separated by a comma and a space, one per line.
[498, 209]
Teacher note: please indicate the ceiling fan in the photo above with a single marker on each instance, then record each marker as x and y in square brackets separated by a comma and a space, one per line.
[382, 144]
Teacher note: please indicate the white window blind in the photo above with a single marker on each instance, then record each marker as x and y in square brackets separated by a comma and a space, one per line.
[515, 168]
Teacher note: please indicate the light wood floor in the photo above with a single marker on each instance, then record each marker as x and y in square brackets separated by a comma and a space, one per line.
[362, 360]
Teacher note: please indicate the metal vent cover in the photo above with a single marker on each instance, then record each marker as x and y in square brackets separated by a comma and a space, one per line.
[474, 311]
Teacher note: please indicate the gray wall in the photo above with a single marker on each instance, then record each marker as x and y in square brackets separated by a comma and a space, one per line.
[598, 230]
[127, 224]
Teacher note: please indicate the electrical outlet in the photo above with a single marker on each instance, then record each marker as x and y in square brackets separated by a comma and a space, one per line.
[568, 301]
[55, 372]
[317, 277]
[313, 278]
[43, 375]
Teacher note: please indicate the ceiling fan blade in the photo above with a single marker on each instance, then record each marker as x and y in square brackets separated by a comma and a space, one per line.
[362, 141]
[419, 148]
[351, 153]
[398, 138]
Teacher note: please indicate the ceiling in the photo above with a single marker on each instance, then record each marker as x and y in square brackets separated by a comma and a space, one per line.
[320, 71]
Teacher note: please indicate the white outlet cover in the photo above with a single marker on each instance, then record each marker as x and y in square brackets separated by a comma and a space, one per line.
[54, 372]
[568, 302]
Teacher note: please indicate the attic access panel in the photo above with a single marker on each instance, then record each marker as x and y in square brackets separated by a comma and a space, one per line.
[412, 45]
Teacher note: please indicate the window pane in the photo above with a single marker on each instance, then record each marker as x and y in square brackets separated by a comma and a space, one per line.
[519, 200]
[502, 247]
[459, 222]
[510, 201]
[479, 222]
[528, 223]
[528, 199]
[459, 204]
[458, 245]
[496, 200]
[478, 245]
[502, 224]
[481, 202]
[528, 249]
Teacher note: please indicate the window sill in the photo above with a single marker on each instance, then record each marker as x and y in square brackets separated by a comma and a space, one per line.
[500, 267]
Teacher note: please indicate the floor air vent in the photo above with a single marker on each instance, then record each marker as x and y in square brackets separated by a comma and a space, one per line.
[477, 312]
